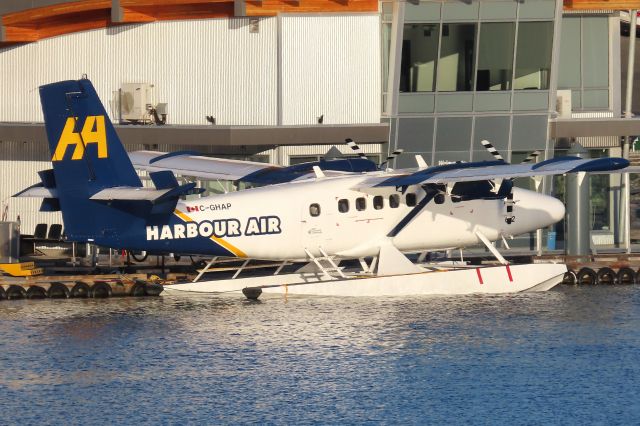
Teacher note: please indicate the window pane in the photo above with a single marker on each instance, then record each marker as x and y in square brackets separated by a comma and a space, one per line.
[378, 202]
[314, 210]
[495, 60]
[569, 69]
[386, 48]
[419, 55]
[455, 67]
[394, 201]
[533, 60]
[343, 205]
[411, 199]
[361, 204]
[454, 134]
[595, 35]
[299, 160]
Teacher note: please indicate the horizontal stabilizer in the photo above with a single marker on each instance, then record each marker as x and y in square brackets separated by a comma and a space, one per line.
[37, 191]
[129, 194]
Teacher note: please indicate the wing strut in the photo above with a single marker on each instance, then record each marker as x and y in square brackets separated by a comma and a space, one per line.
[491, 248]
[431, 192]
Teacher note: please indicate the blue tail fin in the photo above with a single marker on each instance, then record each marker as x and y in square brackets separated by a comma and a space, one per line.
[87, 157]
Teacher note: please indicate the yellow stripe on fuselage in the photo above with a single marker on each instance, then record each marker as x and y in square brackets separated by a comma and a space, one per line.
[233, 249]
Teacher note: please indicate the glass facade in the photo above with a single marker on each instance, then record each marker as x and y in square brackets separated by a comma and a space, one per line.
[467, 71]
[585, 61]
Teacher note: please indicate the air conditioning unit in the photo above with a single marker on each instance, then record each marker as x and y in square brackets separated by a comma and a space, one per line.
[563, 103]
[136, 101]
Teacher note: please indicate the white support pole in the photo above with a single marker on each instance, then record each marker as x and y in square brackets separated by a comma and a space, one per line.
[626, 193]
[491, 248]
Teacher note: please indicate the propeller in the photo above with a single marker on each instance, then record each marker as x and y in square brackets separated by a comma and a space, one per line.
[531, 158]
[391, 156]
[355, 148]
[505, 190]
[492, 150]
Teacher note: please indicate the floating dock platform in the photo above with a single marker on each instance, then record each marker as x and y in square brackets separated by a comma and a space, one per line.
[78, 286]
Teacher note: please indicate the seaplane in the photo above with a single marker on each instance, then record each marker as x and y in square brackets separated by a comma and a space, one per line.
[337, 227]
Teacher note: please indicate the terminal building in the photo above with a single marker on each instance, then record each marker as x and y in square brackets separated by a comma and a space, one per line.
[281, 81]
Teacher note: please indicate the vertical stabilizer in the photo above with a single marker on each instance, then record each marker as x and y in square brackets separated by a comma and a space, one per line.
[87, 157]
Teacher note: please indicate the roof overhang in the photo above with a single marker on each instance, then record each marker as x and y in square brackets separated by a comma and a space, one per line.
[23, 22]
[575, 127]
[220, 136]
[601, 5]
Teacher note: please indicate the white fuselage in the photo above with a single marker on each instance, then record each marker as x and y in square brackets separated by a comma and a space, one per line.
[279, 222]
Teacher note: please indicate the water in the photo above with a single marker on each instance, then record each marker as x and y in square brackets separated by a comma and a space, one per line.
[566, 356]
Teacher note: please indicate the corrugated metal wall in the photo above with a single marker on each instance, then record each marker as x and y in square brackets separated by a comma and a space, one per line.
[20, 163]
[328, 65]
[331, 66]
[210, 67]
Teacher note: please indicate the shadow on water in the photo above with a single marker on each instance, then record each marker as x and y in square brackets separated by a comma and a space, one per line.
[566, 354]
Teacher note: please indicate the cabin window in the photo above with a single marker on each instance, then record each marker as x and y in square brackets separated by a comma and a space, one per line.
[343, 205]
[361, 204]
[378, 202]
[394, 201]
[314, 210]
[411, 199]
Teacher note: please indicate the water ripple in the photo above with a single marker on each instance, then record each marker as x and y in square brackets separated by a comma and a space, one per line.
[565, 356]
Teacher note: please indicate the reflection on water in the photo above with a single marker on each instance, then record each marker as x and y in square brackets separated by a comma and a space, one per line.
[567, 355]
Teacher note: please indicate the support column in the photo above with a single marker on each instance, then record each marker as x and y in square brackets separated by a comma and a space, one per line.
[577, 192]
[625, 228]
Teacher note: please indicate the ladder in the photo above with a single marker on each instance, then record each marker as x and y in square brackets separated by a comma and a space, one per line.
[325, 257]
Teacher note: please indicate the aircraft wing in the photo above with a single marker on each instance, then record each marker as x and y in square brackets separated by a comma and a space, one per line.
[465, 172]
[188, 163]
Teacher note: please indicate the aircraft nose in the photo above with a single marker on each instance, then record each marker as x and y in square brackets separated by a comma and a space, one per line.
[556, 209]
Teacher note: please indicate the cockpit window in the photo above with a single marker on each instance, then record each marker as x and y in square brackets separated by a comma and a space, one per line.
[343, 205]
[361, 204]
[463, 191]
[394, 201]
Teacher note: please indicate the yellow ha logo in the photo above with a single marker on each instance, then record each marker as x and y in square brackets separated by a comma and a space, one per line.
[93, 131]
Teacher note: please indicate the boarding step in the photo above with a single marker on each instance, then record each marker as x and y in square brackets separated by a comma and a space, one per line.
[329, 270]
[21, 269]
